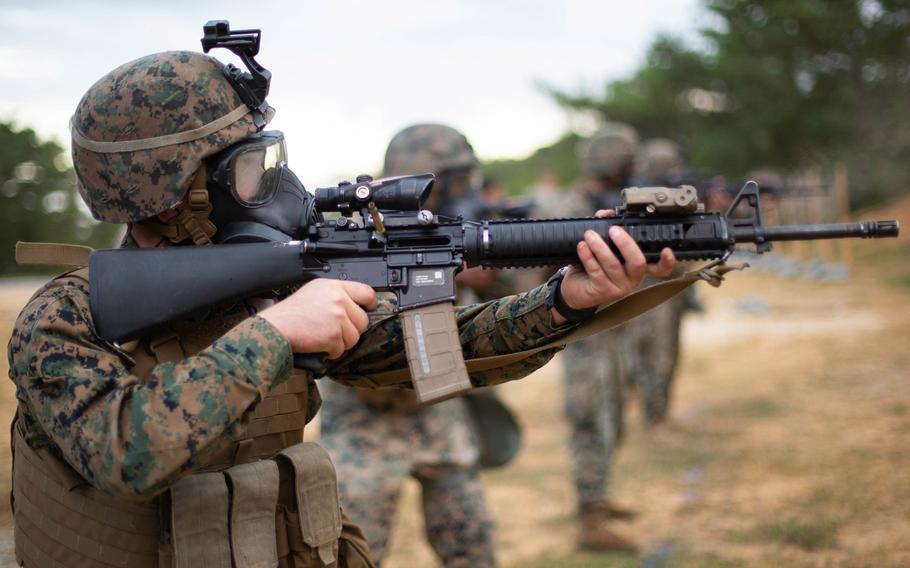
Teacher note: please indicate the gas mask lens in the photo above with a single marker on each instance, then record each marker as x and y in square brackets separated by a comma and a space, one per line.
[250, 167]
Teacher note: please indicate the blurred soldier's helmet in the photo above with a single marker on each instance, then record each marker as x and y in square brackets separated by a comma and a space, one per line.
[443, 151]
[142, 131]
[423, 148]
[609, 152]
[657, 157]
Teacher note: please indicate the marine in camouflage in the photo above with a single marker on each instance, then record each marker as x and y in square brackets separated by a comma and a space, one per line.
[594, 369]
[376, 447]
[133, 438]
[654, 338]
[153, 96]
[593, 404]
[652, 354]
[377, 442]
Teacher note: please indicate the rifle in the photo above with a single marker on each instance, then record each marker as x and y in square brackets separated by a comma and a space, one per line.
[398, 247]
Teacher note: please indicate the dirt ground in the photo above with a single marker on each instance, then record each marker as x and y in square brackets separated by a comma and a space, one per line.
[788, 444]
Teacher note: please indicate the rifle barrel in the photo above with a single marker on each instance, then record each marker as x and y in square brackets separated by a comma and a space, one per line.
[863, 229]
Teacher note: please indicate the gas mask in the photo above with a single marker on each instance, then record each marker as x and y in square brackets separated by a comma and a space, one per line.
[255, 196]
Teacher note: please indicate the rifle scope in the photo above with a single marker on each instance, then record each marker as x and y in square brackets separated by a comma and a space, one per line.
[405, 193]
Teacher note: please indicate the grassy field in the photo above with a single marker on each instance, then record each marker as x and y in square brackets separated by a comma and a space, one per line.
[788, 444]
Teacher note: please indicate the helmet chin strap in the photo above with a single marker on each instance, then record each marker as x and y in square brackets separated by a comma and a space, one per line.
[192, 220]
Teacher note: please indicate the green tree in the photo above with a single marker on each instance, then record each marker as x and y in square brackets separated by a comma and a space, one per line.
[38, 198]
[518, 175]
[780, 83]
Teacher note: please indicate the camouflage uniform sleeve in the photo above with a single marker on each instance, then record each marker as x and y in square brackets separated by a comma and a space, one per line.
[497, 327]
[126, 436]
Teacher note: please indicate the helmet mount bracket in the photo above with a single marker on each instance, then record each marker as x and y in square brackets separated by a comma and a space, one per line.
[251, 86]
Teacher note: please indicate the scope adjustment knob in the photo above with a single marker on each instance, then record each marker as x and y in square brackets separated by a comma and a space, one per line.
[363, 178]
[362, 192]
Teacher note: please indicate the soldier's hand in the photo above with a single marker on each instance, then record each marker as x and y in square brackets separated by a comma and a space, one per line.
[601, 278]
[323, 316]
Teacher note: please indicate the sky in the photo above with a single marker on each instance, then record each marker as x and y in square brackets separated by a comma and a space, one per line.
[348, 75]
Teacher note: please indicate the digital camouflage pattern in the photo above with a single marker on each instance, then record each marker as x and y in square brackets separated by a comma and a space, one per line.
[128, 438]
[133, 438]
[376, 447]
[594, 369]
[425, 148]
[651, 355]
[377, 439]
[609, 151]
[653, 350]
[156, 95]
[376, 442]
[594, 400]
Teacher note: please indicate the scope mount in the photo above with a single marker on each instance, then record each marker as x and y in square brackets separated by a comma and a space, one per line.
[252, 86]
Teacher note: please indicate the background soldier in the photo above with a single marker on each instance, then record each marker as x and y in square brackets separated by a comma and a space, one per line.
[593, 368]
[124, 453]
[378, 439]
[654, 339]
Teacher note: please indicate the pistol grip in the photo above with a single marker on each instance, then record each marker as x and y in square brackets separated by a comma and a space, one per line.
[433, 350]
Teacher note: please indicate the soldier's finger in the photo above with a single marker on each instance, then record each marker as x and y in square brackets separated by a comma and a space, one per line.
[592, 268]
[358, 317]
[635, 264]
[665, 265]
[605, 257]
[362, 294]
[335, 347]
[605, 213]
[349, 335]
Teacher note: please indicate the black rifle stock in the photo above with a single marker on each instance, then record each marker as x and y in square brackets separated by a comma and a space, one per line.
[416, 255]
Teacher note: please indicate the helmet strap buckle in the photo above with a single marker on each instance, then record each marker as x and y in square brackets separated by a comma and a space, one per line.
[192, 220]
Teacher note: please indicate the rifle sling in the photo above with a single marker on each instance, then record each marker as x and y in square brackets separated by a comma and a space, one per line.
[52, 253]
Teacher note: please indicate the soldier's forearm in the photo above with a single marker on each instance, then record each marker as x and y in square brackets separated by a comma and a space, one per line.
[192, 409]
[509, 324]
[126, 435]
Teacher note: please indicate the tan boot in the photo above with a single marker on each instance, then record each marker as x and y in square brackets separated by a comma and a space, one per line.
[595, 535]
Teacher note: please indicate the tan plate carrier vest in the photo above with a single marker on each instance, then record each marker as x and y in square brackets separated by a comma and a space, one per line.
[268, 500]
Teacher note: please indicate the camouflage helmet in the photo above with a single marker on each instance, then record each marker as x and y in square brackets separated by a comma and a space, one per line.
[610, 151]
[657, 157]
[142, 131]
[425, 148]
